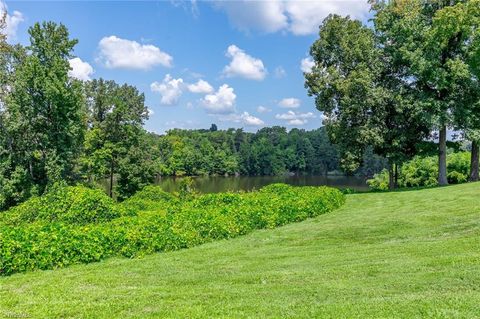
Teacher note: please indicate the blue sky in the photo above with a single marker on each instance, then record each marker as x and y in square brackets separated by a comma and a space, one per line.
[233, 63]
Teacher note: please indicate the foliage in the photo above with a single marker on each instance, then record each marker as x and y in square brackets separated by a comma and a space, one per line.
[116, 143]
[60, 235]
[433, 42]
[423, 171]
[70, 205]
[149, 198]
[42, 120]
[366, 105]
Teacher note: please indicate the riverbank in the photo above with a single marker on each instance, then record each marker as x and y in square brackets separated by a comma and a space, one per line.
[403, 254]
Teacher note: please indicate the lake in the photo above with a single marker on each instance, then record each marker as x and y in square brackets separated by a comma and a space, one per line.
[218, 184]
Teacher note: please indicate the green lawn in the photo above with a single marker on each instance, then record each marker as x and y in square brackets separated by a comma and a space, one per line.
[393, 255]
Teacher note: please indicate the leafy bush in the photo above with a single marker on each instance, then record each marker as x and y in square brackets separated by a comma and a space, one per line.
[72, 204]
[379, 182]
[419, 172]
[182, 224]
[423, 171]
[150, 197]
[458, 167]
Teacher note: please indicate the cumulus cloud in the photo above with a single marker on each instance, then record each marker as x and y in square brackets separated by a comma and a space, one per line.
[264, 16]
[244, 65]
[297, 17]
[80, 70]
[250, 120]
[289, 103]
[120, 53]
[263, 109]
[307, 64]
[294, 118]
[244, 118]
[171, 89]
[200, 87]
[220, 102]
[12, 21]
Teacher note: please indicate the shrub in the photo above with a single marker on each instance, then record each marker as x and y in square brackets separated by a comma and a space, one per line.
[423, 172]
[458, 167]
[379, 182]
[46, 245]
[419, 172]
[149, 198]
[68, 204]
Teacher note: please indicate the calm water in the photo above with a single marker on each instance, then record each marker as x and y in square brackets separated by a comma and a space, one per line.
[247, 183]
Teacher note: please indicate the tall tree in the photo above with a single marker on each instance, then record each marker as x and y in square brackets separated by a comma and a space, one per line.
[44, 108]
[430, 45]
[365, 102]
[115, 140]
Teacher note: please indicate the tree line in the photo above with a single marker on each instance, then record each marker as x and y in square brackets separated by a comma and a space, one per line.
[407, 77]
[54, 128]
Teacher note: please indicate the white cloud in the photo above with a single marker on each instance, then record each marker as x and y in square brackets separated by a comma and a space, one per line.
[244, 118]
[289, 103]
[251, 120]
[264, 16]
[150, 112]
[280, 72]
[220, 102]
[263, 109]
[294, 118]
[297, 17]
[127, 54]
[244, 65]
[12, 21]
[307, 64]
[80, 70]
[170, 89]
[200, 87]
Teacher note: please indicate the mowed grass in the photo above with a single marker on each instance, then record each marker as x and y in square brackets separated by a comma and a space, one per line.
[411, 254]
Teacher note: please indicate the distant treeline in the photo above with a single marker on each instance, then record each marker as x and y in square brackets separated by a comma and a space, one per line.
[270, 151]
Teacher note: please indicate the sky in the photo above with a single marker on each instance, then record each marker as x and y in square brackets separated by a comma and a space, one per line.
[233, 63]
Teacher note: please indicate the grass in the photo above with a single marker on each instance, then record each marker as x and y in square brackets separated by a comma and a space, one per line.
[383, 255]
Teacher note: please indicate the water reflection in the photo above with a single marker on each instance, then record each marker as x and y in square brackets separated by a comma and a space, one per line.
[246, 183]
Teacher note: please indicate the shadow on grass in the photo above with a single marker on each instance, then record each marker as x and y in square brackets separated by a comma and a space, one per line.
[407, 189]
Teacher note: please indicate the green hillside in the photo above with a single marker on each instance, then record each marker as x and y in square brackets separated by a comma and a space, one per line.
[382, 255]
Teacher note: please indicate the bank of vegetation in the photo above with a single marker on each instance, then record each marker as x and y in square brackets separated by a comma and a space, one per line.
[70, 225]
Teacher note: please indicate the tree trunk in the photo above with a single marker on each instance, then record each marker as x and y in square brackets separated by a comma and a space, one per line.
[442, 157]
[391, 177]
[395, 183]
[110, 192]
[474, 162]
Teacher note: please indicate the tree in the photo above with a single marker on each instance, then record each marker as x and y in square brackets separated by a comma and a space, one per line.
[429, 43]
[114, 143]
[213, 128]
[365, 102]
[44, 131]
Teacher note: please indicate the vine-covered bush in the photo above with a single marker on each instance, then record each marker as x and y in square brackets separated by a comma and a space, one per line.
[68, 204]
[179, 224]
[150, 197]
[423, 172]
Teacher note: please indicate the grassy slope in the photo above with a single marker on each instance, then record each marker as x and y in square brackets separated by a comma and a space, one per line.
[405, 254]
